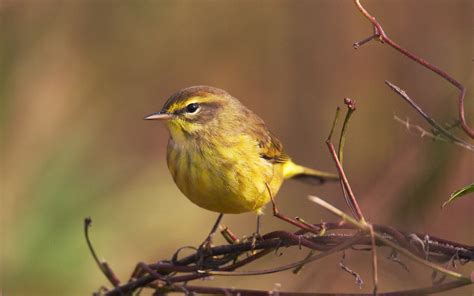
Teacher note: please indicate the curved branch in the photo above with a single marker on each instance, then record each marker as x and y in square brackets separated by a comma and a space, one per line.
[382, 36]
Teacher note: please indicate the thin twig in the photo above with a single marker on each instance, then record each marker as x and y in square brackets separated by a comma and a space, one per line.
[294, 222]
[423, 133]
[351, 107]
[365, 227]
[438, 127]
[299, 268]
[353, 204]
[337, 248]
[416, 129]
[245, 292]
[374, 260]
[385, 39]
[103, 266]
[334, 122]
[358, 279]
[346, 189]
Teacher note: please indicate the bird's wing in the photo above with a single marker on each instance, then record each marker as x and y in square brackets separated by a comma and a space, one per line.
[270, 147]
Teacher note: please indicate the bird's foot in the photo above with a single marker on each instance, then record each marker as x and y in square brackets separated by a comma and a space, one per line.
[254, 238]
[205, 259]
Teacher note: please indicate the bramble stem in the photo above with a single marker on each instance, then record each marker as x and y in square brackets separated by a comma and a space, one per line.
[385, 39]
[365, 227]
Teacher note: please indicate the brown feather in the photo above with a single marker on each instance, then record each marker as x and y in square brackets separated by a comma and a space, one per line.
[271, 148]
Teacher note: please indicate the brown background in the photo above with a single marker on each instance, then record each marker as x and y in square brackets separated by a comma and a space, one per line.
[78, 76]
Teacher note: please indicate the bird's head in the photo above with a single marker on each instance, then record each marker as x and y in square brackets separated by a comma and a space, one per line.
[197, 111]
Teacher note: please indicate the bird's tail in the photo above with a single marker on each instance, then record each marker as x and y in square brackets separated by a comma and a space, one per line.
[292, 170]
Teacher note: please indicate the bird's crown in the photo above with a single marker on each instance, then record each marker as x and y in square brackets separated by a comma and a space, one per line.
[191, 97]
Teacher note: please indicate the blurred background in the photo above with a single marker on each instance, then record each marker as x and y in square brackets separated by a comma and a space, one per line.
[77, 77]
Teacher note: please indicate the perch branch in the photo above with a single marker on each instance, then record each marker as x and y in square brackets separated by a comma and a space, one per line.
[439, 249]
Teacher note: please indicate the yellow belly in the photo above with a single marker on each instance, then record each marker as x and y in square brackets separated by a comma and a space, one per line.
[225, 179]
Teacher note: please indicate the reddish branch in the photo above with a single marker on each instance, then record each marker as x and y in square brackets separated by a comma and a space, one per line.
[440, 130]
[167, 275]
[380, 34]
[348, 194]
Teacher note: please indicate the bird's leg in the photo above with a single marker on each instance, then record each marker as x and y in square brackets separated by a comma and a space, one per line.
[257, 231]
[207, 243]
[295, 222]
[256, 235]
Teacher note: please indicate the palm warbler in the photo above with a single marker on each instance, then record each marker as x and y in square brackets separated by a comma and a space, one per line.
[221, 155]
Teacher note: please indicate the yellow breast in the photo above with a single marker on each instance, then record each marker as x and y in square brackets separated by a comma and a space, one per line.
[226, 178]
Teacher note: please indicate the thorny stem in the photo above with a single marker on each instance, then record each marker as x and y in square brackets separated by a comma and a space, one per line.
[430, 120]
[424, 133]
[365, 227]
[379, 32]
[277, 239]
[350, 242]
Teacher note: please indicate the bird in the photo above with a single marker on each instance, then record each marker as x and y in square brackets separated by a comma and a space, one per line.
[222, 156]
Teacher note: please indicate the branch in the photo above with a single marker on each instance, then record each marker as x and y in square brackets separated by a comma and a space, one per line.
[346, 188]
[442, 131]
[103, 266]
[383, 38]
[223, 257]
[366, 227]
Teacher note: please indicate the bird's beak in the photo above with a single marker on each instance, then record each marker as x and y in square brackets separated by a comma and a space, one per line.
[159, 116]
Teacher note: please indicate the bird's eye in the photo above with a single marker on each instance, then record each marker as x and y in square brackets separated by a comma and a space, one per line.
[191, 108]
